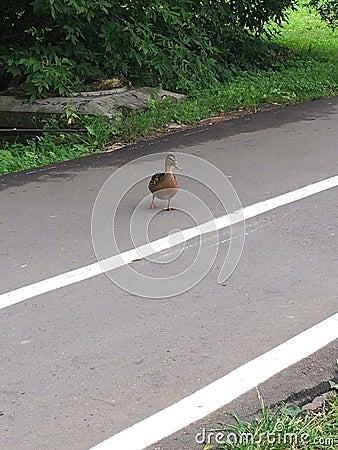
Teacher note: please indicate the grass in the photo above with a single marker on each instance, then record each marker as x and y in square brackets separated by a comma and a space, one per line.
[290, 427]
[52, 148]
[305, 32]
[310, 71]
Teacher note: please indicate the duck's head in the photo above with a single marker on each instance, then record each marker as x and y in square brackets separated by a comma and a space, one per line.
[171, 162]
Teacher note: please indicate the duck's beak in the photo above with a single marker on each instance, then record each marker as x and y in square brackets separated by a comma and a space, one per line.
[177, 166]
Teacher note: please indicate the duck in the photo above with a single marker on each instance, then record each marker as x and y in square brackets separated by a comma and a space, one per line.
[164, 185]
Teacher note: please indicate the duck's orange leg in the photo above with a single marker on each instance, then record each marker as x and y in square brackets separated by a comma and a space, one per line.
[168, 208]
[152, 204]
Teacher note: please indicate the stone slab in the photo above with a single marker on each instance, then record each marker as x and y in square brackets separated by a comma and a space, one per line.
[18, 112]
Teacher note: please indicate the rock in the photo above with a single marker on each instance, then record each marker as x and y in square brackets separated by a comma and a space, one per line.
[18, 112]
[174, 126]
[316, 402]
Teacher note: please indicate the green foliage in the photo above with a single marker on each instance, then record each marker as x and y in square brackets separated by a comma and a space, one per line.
[309, 70]
[43, 70]
[333, 385]
[52, 46]
[328, 10]
[51, 148]
[99, 131]
[289, 427]
[8, 162]
[180, 44]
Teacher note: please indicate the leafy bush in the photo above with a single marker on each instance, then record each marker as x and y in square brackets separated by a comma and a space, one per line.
[42, 68]
[182, 44]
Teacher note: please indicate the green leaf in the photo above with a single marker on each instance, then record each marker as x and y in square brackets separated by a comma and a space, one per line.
[333, 385]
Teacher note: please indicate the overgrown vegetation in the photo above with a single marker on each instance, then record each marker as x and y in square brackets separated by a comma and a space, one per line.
[57, 147]
[182, 45]
[305, 66]
[328, 10]
[290, 427]
[55, 46]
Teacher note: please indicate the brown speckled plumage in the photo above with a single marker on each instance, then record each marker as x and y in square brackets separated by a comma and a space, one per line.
[162, 181]
[164, 185]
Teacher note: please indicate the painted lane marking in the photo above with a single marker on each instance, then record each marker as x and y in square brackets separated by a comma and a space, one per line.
[83, 273]
[224, 390]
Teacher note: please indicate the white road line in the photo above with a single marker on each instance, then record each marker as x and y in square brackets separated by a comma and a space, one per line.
[83, 273]
[224, 390]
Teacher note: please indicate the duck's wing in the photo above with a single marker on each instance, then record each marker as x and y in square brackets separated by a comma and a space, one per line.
[155, 182]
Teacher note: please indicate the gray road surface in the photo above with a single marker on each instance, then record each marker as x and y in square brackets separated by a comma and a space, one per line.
[83, 362]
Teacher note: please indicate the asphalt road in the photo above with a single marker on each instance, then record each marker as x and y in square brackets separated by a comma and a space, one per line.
[80, 363]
